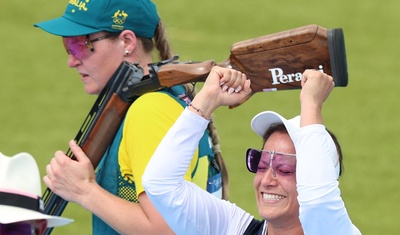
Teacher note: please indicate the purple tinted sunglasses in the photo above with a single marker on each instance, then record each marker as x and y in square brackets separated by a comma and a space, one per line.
[18, 228]
[81, 46]
[283, 164]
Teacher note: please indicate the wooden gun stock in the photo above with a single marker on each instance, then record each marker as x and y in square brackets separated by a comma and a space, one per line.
[275, 62]
[272, 62]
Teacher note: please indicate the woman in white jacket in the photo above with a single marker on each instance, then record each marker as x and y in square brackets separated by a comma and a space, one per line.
[296, 173]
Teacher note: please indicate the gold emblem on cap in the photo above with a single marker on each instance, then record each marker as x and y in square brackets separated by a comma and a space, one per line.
[119, 19]
[81, 5]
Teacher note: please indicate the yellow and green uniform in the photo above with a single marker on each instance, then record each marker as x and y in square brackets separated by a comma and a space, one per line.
[146, 123]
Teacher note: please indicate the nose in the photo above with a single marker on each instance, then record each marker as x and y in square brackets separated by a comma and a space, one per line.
[269, 177]
[73, 61]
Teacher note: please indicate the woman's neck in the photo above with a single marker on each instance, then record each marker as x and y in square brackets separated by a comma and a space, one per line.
[141, 57]
[279, 230]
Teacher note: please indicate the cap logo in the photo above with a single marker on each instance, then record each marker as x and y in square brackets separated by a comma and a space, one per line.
[81, 5]
[119, 19]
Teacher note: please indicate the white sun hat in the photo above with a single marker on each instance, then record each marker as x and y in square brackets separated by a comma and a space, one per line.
[20, 191]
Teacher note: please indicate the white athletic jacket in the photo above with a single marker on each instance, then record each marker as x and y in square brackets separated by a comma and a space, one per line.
[190, 210]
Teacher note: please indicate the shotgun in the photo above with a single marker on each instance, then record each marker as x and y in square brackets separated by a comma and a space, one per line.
[272, 62]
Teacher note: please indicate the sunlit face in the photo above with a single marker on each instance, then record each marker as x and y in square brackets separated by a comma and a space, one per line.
[276, 196]
[95, 60]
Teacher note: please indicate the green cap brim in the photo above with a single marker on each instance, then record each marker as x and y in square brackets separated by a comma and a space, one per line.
[63, 27]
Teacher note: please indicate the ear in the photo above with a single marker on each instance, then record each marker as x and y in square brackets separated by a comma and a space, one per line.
[41, 226]
[130, 41]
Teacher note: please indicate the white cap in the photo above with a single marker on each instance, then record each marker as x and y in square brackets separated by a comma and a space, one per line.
[262, 121]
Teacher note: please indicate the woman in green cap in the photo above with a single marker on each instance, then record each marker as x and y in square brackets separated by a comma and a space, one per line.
[98, 36]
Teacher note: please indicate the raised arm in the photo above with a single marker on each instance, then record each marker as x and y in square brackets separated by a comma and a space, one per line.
[187, 208]
[322, 210]
[316, 87]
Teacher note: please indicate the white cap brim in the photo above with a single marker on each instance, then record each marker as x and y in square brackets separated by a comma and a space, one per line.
[11, 214]
[262, 121]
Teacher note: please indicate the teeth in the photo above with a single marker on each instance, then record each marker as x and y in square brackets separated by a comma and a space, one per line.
[272, 197]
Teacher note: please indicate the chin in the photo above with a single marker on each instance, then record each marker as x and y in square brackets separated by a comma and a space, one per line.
[271, 213]
[92, 90]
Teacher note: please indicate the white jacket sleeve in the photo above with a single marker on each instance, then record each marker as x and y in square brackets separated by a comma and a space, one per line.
[187, 208]
[322, 210]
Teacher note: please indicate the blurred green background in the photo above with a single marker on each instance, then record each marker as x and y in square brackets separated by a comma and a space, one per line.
[43, 103]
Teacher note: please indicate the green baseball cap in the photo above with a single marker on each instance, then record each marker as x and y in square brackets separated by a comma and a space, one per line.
[83, 17]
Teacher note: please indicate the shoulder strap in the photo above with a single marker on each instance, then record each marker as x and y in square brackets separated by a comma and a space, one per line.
[255, 227]
[178, 93]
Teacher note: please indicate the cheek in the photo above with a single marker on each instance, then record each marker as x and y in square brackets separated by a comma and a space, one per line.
[112, 57]
[257, 181]
[103, 71]
[256, 185]
[290, 187]
[109, 67]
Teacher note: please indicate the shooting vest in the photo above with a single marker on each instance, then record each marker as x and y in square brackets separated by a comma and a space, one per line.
[109, 176]
[256, 227]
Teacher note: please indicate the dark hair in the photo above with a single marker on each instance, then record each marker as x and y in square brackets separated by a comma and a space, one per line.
[280, 127]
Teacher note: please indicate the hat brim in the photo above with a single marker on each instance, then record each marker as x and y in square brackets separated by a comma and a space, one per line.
[262, 121]
[64, 27]
[10, 214]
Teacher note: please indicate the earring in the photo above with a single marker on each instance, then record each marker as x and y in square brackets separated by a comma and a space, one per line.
[126, 52]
